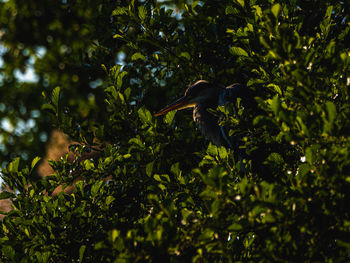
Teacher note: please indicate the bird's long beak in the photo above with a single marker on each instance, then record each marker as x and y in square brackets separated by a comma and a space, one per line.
[179, 104]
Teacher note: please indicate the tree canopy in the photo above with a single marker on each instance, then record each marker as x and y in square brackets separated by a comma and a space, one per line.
[157, 190]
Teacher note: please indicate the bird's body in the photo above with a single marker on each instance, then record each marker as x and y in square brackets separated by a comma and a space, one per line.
[203, 95]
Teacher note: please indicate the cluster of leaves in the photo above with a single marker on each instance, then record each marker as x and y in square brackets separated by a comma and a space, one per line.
[65, 43]
[157, 193]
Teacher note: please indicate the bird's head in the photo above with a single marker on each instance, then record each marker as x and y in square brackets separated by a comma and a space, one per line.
[201, 92]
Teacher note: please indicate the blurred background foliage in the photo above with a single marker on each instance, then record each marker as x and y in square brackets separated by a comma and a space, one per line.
[156, 191]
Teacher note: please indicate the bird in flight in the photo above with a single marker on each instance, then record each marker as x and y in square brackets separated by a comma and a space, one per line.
[203, 95]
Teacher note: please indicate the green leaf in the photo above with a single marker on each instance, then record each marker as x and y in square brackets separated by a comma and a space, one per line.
[304, 128]
[185, 213]
[109, 200]
[13, 166]
[103, 66]
[215, 208]
[137, 142]
[26, 232]
[207, 234]
[120, 77]
[157, 177]
[119, 11]
[162, 187]
[241, 2]
[89, 165]
[344, 243]
[222, 152]
[142, 13]
[161, 178]
[238, 51]
[230, 10]
[243, 185]
[55, 96]
[9, 252]
[185, 55]
[111, 90]
[149, 168]
[5, 195]
[331, 111]
[96, 187]
[31, 192]
[235, 227]
[276, 9]
[81, 253]
[212, 149]
[118, 36]
[115, 70]
[145, 115]
[329, 12]
[127, 93]
[175, 169]
[276, 105]
[166, 177]
[169, 117]
[137, 56]
[115, 234]
[47, 106]
[309, 155]
[304, 168]
[276, 88]
[258, 10]
[35, 161]
[121, 97]
[43, 256]
[127, 156]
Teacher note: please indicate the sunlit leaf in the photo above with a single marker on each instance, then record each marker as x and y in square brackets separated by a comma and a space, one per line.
[276, 105]
[145, 115]
[137, 56]
[238, 51]
[96, 187]
[89, 165]
[55, 96]
[276, 9]
[13, 166]
[157, 177]
[241, 2]
[81, 252]
[119, 11]
[109, 200]
[142, 12]
[35, 161]
[169, 117]
[212, 150]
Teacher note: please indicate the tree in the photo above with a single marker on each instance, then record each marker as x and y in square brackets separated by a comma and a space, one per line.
[104, 67]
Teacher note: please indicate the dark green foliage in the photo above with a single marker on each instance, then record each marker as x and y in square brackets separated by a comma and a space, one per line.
[172, 197]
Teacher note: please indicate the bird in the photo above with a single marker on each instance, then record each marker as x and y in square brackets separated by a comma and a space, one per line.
[203, 95]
